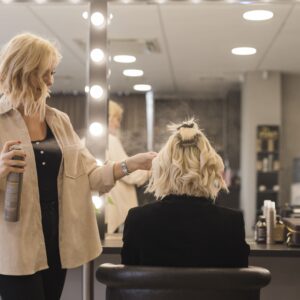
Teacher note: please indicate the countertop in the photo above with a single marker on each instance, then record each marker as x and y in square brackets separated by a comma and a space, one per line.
[113, 244]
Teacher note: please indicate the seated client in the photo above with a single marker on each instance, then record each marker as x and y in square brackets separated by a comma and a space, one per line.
[185, 228]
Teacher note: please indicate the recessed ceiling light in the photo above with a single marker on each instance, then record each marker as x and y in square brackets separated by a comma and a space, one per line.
[142, 87]
[133, 73]
[243, 51]
[125, 59]
[258, 15]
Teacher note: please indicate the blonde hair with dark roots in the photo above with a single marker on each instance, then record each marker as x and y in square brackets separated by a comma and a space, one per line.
[23, 62]
[187, 164]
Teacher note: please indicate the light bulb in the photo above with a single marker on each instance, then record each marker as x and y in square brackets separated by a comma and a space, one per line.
[97, 201]
[125, 59]
[243, 51]
[258, 15]
[96, 91]
[97, 55]
[96, 129]
[133, 73]
[142, 87]
[85, 15]
[97, 19]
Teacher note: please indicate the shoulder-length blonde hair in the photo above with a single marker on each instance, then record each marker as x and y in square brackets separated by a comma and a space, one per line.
[187, 165]
[23, 62]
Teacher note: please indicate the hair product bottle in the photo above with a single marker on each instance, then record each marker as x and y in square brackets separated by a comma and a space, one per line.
[13, 192]
[270, 220]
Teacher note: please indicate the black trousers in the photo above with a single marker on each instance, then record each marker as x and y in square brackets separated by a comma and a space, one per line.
[46, 284]
[43, 285]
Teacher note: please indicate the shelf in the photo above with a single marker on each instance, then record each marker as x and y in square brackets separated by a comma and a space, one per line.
[268, 172]
[267, 137]
[267, 152]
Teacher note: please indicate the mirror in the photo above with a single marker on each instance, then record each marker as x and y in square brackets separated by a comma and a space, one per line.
[48, 20]
[184, 50]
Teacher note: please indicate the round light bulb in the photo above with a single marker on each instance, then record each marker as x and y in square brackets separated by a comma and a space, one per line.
[99, 162]
[133, 73]
[96, 91]
[97, 19]
[96, 129]
[85, 15]
[97, 55]
[243, 51]
[258, 15]
[125, 59]
[86, 88]
[97, 201]
[142, 87]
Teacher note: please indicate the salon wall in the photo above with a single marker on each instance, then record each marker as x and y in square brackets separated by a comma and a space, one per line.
[261, 104]
[290, 135]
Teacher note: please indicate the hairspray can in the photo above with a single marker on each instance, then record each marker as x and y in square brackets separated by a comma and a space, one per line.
[13, 192]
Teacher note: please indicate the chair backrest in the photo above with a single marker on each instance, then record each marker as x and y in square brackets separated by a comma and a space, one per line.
[168, 283]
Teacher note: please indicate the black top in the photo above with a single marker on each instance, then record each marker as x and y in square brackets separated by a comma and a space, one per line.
[184, 231]
[48, 159]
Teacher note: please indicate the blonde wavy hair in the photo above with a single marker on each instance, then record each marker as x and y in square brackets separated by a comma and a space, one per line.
[23, 62]
[187, 165]
[115, 110]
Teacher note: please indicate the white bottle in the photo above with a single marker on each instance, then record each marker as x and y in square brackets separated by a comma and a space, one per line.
[265, 208]
[270, 220]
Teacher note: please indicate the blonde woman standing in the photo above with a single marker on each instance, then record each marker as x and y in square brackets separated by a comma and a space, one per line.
[185, 228]
[123, 196]
[57, 229]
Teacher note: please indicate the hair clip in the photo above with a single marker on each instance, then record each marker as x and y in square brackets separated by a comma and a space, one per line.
[186, 125]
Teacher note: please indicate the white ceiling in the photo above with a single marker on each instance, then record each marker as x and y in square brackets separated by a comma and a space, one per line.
[61, 23]
[194, 42]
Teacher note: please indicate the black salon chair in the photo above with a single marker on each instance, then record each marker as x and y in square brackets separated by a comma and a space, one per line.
[168, 283]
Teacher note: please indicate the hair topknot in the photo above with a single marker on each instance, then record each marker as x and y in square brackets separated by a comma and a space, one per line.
[187, 164]
[188, 134]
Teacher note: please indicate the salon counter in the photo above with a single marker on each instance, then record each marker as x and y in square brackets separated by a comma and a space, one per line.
[283, 263]
[113, 244]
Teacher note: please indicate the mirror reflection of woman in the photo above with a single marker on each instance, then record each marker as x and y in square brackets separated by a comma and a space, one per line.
[123, 196]
[57, 229]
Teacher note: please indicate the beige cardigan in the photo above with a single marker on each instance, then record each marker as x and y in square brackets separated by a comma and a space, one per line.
[22, 246]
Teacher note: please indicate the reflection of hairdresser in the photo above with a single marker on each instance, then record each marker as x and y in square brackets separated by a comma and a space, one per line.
[185, 228]
[123, 195]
